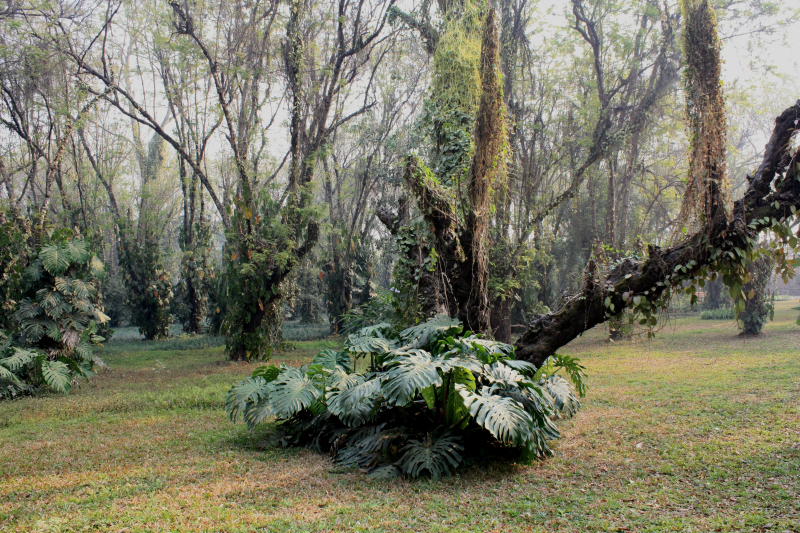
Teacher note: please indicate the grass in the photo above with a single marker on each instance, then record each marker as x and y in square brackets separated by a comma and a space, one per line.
[696, 430]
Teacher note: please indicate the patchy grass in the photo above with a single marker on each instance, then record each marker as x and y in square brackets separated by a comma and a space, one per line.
[696, 430]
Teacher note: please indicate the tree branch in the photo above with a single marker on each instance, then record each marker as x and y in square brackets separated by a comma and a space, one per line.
[772, 196]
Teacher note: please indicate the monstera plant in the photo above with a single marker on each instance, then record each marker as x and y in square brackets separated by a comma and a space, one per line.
[54, 323]
[418, 402]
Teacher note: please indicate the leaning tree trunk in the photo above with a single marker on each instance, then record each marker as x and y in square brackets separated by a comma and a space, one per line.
[773, 196]
[724, 238]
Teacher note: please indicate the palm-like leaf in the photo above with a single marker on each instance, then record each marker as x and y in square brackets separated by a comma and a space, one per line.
[436, 457]
[411, 372]
[422, 335]
[56, 375]
[292, 391]
[355, 404]
[242, 394]
[503, 417]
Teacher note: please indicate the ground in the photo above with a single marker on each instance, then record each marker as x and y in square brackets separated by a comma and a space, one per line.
[696, 430]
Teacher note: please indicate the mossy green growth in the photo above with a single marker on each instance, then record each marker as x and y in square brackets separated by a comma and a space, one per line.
[455, 91]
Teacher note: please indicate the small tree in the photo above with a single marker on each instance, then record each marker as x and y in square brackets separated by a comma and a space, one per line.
[758, 307]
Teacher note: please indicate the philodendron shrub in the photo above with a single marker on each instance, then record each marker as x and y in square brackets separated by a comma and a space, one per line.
[51, 330]
[419, 402]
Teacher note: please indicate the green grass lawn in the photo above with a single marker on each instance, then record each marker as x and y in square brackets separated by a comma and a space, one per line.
[696, 430]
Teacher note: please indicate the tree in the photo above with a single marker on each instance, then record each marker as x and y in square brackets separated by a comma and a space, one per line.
[758, 306]
[771, 199]
[638, 284]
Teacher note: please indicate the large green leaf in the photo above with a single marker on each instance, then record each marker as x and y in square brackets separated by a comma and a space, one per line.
[77, 251]
[292, 391]
[565, 400]
[355, 404]
[56, 375]
[365, 344]
[501, 373]
[55, 258]
[242, 394]
[19, 359]
[503, 417]
[364, 446]
[331, 359]
[422, 335]
[410, 372]
[8, 376]
[376, 330]
[257, 411]
[436, 457]
[571, 365]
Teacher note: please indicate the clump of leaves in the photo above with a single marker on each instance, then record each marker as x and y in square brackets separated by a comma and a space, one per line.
[422, 402]
[54, 324]
[723, 313]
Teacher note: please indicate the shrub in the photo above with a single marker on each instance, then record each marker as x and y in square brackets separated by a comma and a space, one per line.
[419, 402]
[723, 313]
[54, 325]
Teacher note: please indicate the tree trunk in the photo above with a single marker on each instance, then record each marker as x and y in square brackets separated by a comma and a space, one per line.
[772, 196]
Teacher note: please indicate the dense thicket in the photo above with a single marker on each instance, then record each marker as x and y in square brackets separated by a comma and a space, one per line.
[52, 308]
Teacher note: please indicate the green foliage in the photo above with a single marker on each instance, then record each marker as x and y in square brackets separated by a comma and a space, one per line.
[149, 288]
[50, 333]
[380, 308]
[260, 252]
[420, 402]
[723, 313]
[758, 307]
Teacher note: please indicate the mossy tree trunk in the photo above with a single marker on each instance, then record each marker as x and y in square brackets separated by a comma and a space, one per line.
[467, 115]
